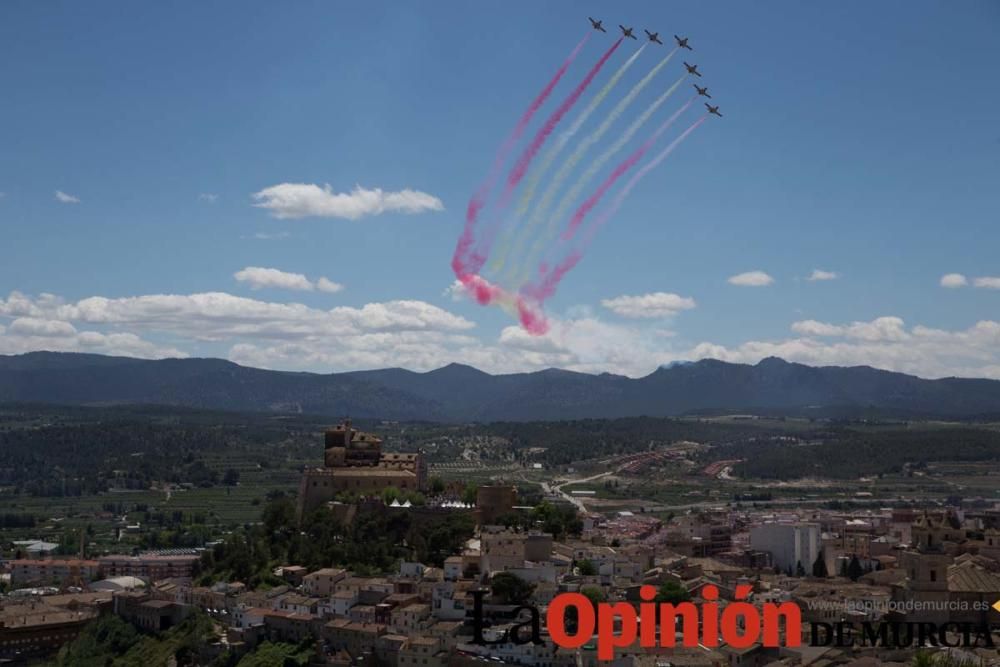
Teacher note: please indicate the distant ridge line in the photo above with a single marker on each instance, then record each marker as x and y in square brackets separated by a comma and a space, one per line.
[459, 393]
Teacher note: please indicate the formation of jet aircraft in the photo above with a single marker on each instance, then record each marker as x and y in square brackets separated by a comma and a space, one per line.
[682, 43]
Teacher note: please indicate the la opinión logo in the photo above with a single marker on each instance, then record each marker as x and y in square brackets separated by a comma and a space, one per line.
[739, 624]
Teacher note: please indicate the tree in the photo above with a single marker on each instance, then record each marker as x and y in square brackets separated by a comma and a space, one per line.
[594, 594]
[819, 566]
[586, 568]
[799, 570]
[469, 494]
[672, 592]
[232, 477]
[511, 588]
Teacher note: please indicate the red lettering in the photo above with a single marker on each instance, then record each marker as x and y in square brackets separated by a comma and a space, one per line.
[555, 619]
[607, 640]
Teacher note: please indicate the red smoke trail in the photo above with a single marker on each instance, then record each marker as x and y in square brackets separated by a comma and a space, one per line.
[478, 200]
[517, 173]
[550, 282]
[524, 160]
[620, 170]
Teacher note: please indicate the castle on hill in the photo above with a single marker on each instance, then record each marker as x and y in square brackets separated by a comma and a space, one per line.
[353, 461]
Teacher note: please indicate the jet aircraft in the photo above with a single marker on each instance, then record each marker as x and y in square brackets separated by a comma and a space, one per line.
[596, 25]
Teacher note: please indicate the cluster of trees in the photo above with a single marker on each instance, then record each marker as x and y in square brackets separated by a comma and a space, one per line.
[560, 520]
[372, 543]
[110, 641]
[104, 448]
[850, 453]
[567, 442]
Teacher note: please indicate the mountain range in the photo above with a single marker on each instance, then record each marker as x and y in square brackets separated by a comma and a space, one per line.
[458, 393]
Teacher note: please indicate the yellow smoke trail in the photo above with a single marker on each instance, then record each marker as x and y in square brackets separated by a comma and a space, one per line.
[531, 184]
[567, 167]
[574, 191]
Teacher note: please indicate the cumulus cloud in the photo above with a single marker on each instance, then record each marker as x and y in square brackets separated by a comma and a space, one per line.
[302, 200]
[954, 280]
[324, 284]
[27, 334]
[31, 326]
[208, 197]
[456, 291]
[751, 279]
[819, 274]
[882, 328]
[418, 335]
[218, 315]
[988, 282]
[882, 343]
[65, 198]
[656, 304]
[258, 277]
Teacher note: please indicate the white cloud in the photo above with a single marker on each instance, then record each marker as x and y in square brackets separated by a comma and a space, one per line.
[751, 279]
[456, 291]
[881, 343]
[324, 284]
[208, 197]
[989, 282]
[954, 280]
[418, 335]
[882, 328]
[65, 198]
[260, 278]
[656, 304]
[819, 274]
[814, 328]
[218, 315]
[31, 326]
[31, 334]
[301, 200]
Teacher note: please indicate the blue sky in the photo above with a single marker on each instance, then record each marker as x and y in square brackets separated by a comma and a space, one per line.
[858, 138]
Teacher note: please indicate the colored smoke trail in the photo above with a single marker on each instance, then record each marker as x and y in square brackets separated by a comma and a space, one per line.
[581, 182]
[524, 160]
[478, 200]
[551, 280]
[536, 174]
[517, 173]
[617, 173]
